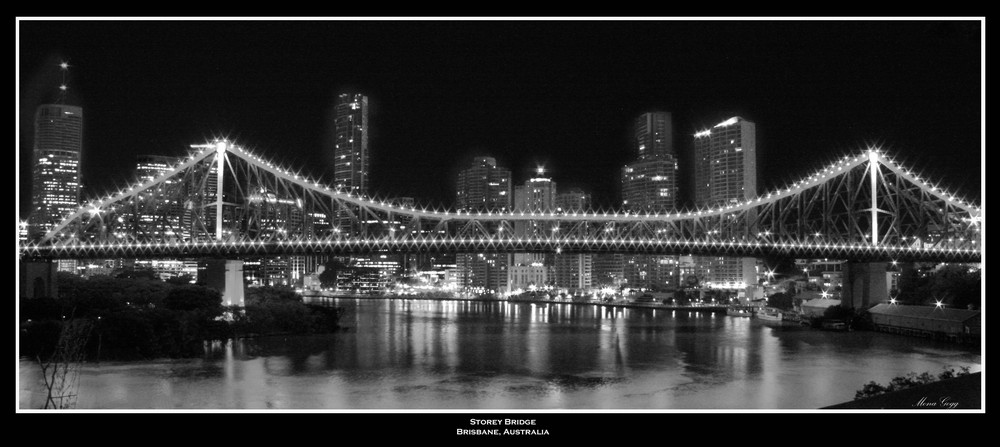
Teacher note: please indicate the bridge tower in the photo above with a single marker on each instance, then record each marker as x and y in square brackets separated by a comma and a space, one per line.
[224, 275]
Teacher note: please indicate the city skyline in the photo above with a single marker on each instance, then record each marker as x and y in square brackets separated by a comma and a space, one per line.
[583, 143]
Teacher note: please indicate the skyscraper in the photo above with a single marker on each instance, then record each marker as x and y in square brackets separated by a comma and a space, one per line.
[725, 172]
[483, 186]
[162, 217]
[531, 269]
[351, 154]
[351, 157]
[56, 170]
[725, 159]
[649, 185]
[654, 135]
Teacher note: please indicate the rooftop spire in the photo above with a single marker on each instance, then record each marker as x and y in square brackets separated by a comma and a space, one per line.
[64, 67]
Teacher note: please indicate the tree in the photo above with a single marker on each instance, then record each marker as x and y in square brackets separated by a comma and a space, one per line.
[839, 312]
[960, 285]
[181, 280]
[194, 298]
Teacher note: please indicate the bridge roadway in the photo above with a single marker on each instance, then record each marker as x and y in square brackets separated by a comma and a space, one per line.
[236, 250]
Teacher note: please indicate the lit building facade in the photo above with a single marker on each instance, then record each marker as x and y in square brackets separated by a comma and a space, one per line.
[162, 220]
[654, 135]
[725, 163]
[351, 156]
[482, 186]
[725, 172]
[573, 271]
[531, 270]
[351, 151]
[55, 179]
[649, 185]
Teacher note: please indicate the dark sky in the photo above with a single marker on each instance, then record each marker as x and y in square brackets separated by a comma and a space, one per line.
[558, 93]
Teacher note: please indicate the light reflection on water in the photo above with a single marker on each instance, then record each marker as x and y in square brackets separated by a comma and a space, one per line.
[425, 354]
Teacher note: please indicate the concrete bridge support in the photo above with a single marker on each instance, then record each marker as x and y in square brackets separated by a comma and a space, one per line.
[38, 279]
[864, 284]
[226, 276]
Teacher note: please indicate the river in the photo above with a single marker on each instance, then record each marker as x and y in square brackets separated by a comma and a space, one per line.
[470, 355]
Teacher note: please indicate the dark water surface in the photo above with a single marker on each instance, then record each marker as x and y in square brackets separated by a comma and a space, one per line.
[424, 354]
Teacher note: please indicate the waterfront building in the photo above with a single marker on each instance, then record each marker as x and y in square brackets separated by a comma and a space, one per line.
[573, 271]
[482, 186]
[649, 185]
[725, 172]
[530, 271]
[928, 321]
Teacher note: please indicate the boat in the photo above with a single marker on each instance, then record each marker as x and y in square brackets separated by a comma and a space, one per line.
[769, 314]
[738, 311]
[834, 325]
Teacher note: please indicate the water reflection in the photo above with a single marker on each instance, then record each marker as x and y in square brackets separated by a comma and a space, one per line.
[486, 354]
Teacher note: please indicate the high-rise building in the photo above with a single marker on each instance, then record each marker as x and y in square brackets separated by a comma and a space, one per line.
[351, 153]
[654, 135]
[55, 177]
[573, 200]
[573, 271]
[161, 210]
[483, 186]
[725, 159]
[649, 185]
[529, 270]
[725, 172]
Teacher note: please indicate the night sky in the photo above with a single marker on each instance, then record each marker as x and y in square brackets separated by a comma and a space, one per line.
[559, 93]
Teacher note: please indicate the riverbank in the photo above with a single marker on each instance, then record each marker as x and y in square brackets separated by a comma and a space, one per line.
[961, 393]
[611, 304]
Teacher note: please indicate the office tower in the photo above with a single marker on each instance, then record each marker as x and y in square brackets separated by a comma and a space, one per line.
[56, 170]
[573, 271]
[649, 185]
[161, 209]
[482, 186]
[351, 152]
[654, 135]
[531, 270]
[573, 200]
[607, 270]
[725, 172]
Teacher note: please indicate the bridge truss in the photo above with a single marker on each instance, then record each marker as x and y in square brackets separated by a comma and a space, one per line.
[223, 200]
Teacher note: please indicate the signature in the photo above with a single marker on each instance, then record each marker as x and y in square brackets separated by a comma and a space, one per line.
[944, 402]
